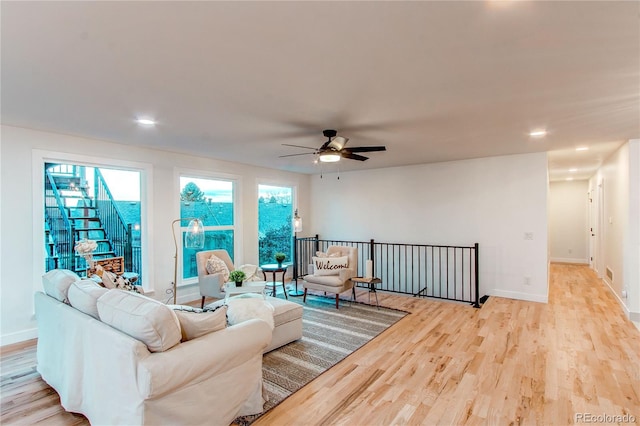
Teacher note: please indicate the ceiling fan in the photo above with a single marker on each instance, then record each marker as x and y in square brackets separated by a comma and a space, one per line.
[334, 149]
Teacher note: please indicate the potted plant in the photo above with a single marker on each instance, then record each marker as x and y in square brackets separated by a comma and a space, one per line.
[279, 256]
[237, 277]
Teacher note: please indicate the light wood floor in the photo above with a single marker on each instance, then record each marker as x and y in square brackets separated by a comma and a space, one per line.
[511, 362]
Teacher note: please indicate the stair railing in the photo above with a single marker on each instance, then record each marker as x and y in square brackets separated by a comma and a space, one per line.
[60, 226]
[115, 227]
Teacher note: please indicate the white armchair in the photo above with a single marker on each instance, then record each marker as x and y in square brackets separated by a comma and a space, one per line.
[340, 281]
[212, 285]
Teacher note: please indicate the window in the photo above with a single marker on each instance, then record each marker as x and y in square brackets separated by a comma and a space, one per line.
[97, 203]
[211, 201]
[275, 212]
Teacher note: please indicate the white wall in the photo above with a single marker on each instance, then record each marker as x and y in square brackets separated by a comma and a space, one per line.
[22, 241]
[632, 241]
[491, 201]
[619, 178]
[568, 221]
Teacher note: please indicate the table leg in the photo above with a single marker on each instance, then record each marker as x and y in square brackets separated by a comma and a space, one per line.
[284, 289]
[372, 289]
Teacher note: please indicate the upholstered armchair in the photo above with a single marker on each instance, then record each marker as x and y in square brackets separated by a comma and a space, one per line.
[212, 285]
[333, 273]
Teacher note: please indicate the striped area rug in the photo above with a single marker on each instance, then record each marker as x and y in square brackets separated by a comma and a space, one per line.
[328, 336]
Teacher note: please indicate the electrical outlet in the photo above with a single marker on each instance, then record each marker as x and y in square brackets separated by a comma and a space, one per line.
[528, 235]
[570, 251]
[527, 280]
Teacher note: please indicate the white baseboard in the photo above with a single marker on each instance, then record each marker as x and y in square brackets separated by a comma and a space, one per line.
[541, 298]
[633, 316]
[19, 336]
[569, 260]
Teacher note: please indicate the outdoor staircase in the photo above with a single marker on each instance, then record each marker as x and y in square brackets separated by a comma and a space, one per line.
[71, 216]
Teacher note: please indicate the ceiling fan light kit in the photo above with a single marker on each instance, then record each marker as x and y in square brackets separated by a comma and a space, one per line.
[329, 157]
[334, 149]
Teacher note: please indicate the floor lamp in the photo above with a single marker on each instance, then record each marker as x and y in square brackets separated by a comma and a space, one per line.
[193, 238]
[297, 227]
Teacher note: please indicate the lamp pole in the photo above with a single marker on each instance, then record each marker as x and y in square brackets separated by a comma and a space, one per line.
[196, 240]
[297, 227]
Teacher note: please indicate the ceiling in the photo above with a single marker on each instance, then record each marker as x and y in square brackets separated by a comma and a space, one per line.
[433, 81]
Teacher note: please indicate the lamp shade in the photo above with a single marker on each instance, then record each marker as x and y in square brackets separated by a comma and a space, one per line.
[194, 237]
[297, 222]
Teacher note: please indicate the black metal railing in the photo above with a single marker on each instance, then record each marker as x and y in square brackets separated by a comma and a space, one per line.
[60, 228]
[438, 271]
[115, 228]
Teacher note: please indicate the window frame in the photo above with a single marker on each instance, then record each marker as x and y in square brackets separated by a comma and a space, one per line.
[236, 181]
[294, 204]
[41, 157]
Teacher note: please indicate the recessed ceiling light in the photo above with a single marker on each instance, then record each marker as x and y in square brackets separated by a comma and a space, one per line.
[569, 178]
[146, 121]
[573, 170]
[538, 133]
[582, 148]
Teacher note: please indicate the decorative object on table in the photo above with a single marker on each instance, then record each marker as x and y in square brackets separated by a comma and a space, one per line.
[237, 277]
[280, 257]
[194, 238]
[369, 269]
[85, 248]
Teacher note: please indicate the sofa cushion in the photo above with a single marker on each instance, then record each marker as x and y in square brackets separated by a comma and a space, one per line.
[141, 317]
[215, 265]
[84, 295]
[284, 311]
[242, 308]
[56, 283]
[328, 280]
[329, 265]
[197, 322]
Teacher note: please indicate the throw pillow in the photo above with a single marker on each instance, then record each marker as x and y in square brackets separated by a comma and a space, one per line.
[215, 265]
[198, 322]
[329, 265]
[141, 317]
[84, 295]
[112, 280]
[251, 272]
[323, 254]
[245, 308]
[56, 283]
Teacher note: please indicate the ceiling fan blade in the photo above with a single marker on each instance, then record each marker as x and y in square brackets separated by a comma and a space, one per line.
[365, 148]
[298, 146]
[294, 155]
[350, 156]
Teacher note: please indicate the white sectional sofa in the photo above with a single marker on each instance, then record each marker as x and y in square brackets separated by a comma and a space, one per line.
[114, 379]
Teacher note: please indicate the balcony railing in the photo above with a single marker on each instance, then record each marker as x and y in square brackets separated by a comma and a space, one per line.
[438, 271]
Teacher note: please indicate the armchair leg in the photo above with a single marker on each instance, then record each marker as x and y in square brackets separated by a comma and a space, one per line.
[202, 304]
[304, 297]
[337, 300]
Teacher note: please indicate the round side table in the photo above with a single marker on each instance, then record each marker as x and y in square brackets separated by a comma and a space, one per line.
[273, 268]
